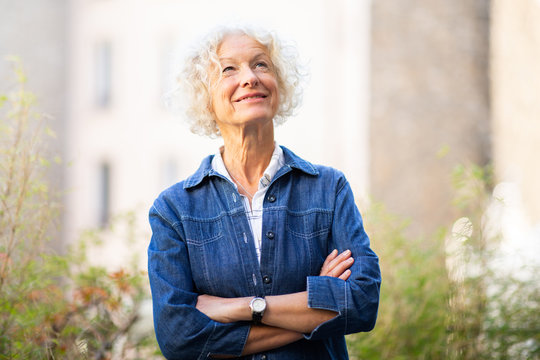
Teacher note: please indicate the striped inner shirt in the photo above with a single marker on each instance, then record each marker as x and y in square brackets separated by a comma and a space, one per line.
[254, 212]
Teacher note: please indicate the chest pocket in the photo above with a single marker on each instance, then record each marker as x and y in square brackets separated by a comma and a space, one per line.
[310, 223]
[215, 261]
[202, 231]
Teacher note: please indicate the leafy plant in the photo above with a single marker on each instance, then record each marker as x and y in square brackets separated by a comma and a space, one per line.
[414, 294]
[494, 311]
[54, 305]
[444, 297]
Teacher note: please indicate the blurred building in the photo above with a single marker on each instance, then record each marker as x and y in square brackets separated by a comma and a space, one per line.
[515, 109]
[456, 82]
[430, 103]
[399, 93]
[125, 145]
[36, 32]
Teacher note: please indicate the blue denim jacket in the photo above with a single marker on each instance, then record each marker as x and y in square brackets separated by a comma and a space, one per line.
[202, 244]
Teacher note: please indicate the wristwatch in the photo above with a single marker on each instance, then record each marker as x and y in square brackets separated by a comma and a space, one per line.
[257, 306]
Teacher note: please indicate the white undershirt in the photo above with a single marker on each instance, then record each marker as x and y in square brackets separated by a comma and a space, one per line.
[254, 212]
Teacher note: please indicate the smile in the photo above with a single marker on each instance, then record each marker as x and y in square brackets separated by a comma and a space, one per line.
[251, 97]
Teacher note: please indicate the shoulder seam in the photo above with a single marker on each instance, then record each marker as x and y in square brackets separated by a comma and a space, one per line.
[163, 217]
[345, 182]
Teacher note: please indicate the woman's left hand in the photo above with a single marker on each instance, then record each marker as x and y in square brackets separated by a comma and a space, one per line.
[337, 265]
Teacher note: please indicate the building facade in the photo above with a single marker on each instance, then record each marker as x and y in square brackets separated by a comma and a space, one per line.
[430, 103]
[125, 145]
[399, 93]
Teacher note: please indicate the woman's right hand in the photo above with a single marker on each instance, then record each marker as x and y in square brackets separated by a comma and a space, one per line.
[337, 265]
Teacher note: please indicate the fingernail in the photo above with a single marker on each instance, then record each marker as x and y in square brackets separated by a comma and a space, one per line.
[334, 251]
[347, 252]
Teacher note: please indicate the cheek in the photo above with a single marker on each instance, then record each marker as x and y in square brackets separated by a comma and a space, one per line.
[276, 95]
[220, 98]
[274, 83]
[226, 93]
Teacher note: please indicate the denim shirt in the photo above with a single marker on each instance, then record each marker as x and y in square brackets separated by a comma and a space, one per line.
[202, 244]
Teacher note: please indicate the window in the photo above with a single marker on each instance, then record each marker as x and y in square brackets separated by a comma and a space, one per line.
[104, 194]
[103, 62]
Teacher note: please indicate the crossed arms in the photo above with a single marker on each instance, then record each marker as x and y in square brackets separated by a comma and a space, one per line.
[343, 298]
[287, 317]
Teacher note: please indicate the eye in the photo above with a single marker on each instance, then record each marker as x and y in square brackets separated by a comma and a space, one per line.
[261, 64]
[227, 69]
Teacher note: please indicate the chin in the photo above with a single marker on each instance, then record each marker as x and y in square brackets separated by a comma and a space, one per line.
[257, 119]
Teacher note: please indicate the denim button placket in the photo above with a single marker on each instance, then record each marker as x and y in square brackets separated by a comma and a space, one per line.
[182, 210]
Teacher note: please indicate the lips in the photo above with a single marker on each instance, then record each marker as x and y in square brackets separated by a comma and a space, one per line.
[251, 96]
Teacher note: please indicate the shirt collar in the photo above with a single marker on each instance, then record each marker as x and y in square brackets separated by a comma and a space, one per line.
[284, 157]
[276, 162]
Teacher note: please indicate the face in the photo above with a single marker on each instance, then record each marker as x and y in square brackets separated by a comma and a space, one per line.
[246, 93]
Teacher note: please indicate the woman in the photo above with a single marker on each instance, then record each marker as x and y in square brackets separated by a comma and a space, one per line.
[258, 252]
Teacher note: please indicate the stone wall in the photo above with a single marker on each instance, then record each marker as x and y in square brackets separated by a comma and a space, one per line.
[430, 107]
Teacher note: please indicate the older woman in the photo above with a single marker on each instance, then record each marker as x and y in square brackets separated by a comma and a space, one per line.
[259, 252]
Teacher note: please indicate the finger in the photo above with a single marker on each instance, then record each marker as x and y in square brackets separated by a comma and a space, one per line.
[328, 269]
[327, 261]
[338, 260]
[342, 267]
[337, 266]
[345, 275]
[330, 257]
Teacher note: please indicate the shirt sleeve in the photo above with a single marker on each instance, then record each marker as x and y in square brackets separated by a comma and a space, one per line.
[356, 300]
[182, 331]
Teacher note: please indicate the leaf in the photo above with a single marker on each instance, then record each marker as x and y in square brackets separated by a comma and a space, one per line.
[3, 99]
[50, 132]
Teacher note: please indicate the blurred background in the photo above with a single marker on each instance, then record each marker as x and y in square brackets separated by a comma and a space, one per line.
[399, 94]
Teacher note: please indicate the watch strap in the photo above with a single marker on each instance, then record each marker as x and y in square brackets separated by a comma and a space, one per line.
[257, 317]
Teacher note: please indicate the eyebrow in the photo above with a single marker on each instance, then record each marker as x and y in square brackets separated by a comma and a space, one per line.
[261, 54]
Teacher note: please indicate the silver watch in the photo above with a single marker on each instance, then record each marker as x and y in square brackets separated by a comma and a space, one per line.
[257, 306]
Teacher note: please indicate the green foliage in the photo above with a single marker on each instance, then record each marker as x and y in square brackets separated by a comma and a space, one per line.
[412, 313]
[54, 306]
[444, 297]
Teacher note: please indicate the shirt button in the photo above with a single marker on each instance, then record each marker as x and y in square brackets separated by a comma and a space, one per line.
[264, 357]
[270, 235]
[271, 198]
[267, 279]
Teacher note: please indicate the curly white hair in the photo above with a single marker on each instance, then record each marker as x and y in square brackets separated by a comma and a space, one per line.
[202, 65]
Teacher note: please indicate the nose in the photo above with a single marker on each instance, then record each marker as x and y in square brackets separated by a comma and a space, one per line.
[249, 78]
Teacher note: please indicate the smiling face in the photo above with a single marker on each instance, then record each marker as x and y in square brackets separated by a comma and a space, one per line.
[246, 93]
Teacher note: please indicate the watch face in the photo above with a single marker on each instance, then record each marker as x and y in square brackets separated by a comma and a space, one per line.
[259, 305]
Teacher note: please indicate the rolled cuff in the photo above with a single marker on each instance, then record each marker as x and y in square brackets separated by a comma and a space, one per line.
[230, 338]
[328, 293]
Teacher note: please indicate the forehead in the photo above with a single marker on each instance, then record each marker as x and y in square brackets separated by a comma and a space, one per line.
[238, 45]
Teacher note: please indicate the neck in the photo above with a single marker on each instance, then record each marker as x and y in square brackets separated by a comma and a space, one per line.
[246, 154]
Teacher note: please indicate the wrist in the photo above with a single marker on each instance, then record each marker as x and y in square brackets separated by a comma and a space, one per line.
[240, 309]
